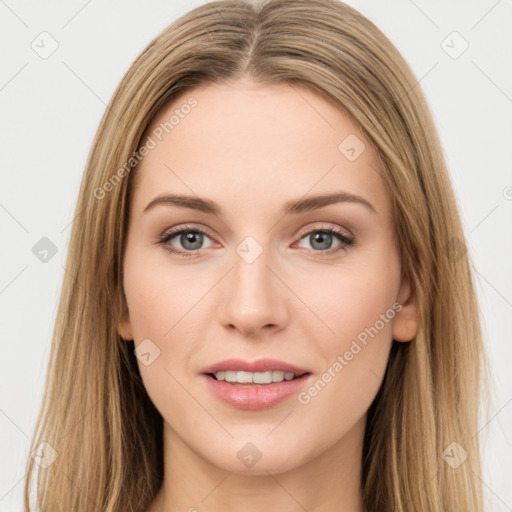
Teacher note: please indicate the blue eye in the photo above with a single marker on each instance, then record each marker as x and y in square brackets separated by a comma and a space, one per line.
[192, 238]
[323, 239]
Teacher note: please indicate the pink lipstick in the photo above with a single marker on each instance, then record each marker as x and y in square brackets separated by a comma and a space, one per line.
[254, 385]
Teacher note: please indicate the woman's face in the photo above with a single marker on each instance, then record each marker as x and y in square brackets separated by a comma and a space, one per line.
[258, 275]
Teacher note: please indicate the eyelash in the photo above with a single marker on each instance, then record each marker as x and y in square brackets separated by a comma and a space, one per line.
[344, 239]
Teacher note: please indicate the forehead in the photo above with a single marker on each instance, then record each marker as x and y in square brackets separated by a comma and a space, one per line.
[254, 142]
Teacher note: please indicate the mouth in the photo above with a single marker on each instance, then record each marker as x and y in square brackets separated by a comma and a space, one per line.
[255, 391]
[243, 378]
[254, 385]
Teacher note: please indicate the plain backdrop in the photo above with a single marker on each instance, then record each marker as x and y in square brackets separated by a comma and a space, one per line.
[51, 105]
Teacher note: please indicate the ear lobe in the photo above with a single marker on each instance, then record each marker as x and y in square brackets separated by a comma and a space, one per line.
[124, 327]
[407, 321]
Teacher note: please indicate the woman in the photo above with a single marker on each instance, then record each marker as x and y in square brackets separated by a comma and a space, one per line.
[203, 355]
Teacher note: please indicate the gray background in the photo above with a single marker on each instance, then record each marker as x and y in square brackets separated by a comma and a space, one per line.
[51, 108]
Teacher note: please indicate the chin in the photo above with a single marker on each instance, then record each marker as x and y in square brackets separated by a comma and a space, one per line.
[260, 458]
[271, 466]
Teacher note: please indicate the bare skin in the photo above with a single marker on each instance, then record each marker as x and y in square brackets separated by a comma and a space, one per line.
[303, 300]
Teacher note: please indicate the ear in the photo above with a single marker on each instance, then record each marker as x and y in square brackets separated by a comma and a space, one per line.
[407, 320]
[125, 327]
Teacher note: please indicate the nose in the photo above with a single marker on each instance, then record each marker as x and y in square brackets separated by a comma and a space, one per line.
[254, 299]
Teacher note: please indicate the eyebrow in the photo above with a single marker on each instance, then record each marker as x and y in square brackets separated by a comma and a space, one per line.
[293, 207]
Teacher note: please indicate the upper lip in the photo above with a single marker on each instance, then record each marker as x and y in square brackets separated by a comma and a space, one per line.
[261, 365]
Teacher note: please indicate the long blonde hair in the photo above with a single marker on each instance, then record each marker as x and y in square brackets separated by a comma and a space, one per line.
[96, 414]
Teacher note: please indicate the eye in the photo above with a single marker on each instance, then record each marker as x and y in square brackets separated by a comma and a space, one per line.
[322, 238]
[191, 240]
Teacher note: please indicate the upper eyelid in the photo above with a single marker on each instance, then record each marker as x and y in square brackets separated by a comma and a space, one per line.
[179, 229]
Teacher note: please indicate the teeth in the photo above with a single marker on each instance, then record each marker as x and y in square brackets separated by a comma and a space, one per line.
[254, 378]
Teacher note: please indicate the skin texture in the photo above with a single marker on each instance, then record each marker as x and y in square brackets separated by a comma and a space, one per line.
[251, 148]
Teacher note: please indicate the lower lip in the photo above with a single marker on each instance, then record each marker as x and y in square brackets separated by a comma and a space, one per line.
[254, 397]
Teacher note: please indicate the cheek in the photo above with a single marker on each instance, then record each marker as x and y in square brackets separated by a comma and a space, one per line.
[358, 306]
[162, 301]
[354, 297]
[158, 305]
[364, 304]
[158, 295]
